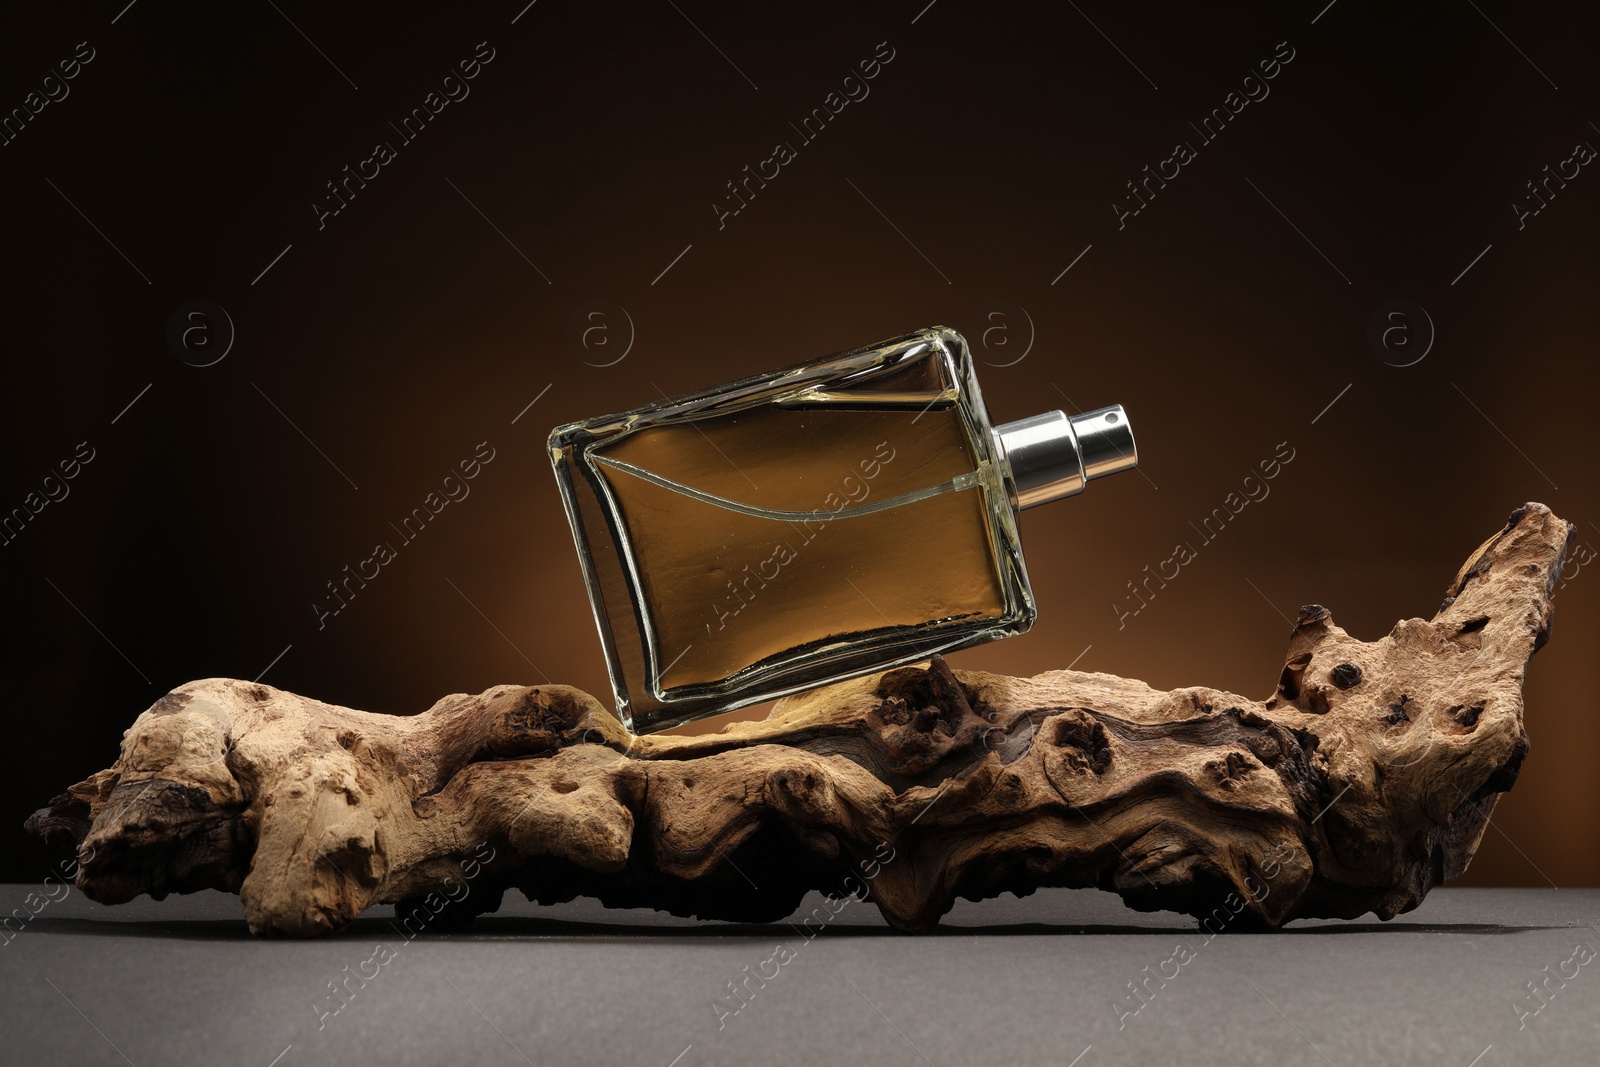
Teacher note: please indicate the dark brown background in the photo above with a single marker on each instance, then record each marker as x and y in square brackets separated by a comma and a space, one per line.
[408, 330]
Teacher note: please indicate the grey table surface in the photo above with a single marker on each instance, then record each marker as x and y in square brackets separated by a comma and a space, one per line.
[1040, 980]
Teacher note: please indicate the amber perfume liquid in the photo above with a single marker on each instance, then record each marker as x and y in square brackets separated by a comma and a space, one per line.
[804, 526]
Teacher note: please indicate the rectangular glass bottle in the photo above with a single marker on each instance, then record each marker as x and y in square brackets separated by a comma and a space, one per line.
[795, 528]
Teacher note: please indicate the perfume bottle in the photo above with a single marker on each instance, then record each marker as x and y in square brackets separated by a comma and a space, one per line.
[812, 524]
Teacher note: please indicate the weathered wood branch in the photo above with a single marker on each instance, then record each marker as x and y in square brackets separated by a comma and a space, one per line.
[1366, 779]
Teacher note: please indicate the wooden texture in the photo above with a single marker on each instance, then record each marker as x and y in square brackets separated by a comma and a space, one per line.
[1363, 781]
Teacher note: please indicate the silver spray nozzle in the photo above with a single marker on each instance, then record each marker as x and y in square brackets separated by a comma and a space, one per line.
[1054, 455]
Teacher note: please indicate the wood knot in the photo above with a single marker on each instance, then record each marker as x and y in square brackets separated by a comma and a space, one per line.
[925, 716]
[533, 723]
[792, 781]
[800, 791]
[935, 689]
[1231, 769]
[1266, 746]
[1083, 739]
[1310, 614]
[1346, 676]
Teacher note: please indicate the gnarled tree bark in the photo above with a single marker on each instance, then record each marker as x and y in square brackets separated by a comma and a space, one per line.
[1363, 781]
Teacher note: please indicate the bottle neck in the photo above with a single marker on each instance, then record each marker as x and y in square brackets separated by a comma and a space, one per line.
[1054, 455]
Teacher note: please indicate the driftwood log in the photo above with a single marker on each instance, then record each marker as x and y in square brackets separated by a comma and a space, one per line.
[1364, 780]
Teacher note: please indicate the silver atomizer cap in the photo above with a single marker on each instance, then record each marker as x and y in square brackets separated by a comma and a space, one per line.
[1053, 455]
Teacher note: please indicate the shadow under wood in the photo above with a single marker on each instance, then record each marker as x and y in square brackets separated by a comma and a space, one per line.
[531, 928]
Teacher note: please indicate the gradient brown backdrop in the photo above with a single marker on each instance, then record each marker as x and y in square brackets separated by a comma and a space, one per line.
[422, 319]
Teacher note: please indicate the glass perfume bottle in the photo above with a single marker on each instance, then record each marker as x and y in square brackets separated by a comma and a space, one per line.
[812, 524]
